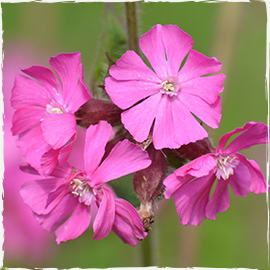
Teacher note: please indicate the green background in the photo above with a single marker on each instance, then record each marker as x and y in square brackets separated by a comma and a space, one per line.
[235, 33]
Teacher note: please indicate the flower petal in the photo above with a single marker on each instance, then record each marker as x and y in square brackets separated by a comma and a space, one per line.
[198, 167]
[27, 168]
[96, 139]
[58, 172]
[139, 119]
[175, 125]
[53, 219]
[55, 196]
[58, 129]
[164, 129]
[207, 88]
[165, 47]
[191, 199]
[48, 161]
[187, 128]
[258, 182]
[64, 152]
[198, 65]
[76, 224]
[131, 67]
[27, 92]
[124, 158]
[240, 180]
[75, 97]
[69, 69]
[126, 93]
[35, 193]
[208, 113]
[253, 133]
[127, 223]
[47, 78]
[105, 216]
[177, 44]
[37, 152]
[27, 117]
[63, 171]
[32, 145]
[152, 46]
[172, 184]
[219, 201]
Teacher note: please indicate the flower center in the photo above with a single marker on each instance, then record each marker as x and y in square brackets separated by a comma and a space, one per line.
[54, 108]
[170, 87]
[226, 166]
[81, 189]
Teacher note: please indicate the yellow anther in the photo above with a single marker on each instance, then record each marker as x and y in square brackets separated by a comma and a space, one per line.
[79, 187]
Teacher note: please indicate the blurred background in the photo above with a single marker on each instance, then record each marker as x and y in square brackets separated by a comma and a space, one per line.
[235, 33]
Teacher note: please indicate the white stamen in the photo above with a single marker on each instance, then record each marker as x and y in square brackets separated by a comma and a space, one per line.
[226, 166]
[169, 87]
[82, 190]
[54, 109]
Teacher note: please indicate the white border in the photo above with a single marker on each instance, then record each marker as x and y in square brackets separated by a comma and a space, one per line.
[267, 2]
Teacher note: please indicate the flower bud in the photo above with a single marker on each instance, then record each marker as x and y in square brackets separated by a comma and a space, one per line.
[148, 184]
[194, 150]
[95, 110]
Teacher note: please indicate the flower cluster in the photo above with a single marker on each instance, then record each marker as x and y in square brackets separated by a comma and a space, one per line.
[154, 113]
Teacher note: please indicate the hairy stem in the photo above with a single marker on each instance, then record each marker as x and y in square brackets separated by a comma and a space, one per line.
[132, 26]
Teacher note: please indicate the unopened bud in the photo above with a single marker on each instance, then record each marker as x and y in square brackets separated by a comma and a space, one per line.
[148, 184]
[95, 110]
[194, 150]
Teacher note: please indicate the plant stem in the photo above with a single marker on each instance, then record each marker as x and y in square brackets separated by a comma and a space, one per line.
[132, 26]
[147, 250]
[133, 44]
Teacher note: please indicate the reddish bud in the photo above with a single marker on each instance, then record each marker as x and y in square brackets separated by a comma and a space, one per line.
[95, 110]
[193, 150]
[148, 184]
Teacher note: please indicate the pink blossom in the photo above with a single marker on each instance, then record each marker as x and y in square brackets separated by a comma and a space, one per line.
[44, 118]
[24, 240]
[72, 192]
[169, 95]
[191, 184]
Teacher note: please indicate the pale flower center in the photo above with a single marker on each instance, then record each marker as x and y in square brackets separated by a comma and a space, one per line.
[170, 87]
[54, 108]
[82, 190]
[226, 166]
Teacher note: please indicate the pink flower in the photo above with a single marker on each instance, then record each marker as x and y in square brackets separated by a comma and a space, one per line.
[72, 192]
[44, 117]
[24, 240]
[168, 95]
[191, 184]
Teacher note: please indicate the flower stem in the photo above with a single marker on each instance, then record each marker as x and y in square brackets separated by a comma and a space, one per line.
[132, 26]
[133, 44]
[147, 251]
